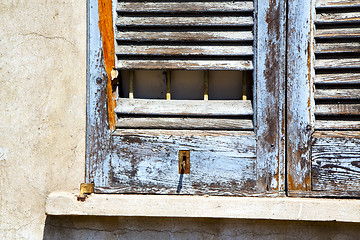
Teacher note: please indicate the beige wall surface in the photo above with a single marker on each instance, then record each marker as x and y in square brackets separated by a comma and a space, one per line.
[42, 139]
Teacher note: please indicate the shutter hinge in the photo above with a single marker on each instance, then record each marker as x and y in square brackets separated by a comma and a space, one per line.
[85, 190]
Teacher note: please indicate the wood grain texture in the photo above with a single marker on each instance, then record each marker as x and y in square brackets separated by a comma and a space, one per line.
[338, 47]
[146, 161]
[331, 94]
[337, 3]
[338, 78]
[174, 21]
[337, 63]
[337, 125]
[337, 109]
[185, 36]
[184, 107]
[185, 50]
[336, 161]
[186, 64]
[336, 33]
[176, 7]
[338, 18]
[184, 123]
[300, 102]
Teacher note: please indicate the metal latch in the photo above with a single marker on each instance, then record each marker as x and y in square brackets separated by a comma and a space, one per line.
[184, 162]
[85, 190]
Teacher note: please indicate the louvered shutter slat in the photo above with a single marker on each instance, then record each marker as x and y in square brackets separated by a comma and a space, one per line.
[337, 65]
[184, 35]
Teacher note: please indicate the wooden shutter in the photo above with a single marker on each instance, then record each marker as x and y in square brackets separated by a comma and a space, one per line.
[191, 35]
[330, 145]
[214, 35]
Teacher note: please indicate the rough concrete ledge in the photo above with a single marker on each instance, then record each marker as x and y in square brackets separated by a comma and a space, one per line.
[306, 209]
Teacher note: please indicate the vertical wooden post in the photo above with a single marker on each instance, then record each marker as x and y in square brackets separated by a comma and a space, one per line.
[244, 85]
[131, 84]
[167, 75]
[206, 85]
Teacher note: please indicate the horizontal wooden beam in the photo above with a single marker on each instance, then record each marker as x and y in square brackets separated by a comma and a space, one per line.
[337, 109]
[330, 94]
[184, 107]
[184, 123]
[338, 47]
[175, 7]
[337, 78]
[338, 18]
[336, 125]
[320, 4]
[185, 36]
[335, 33]
[337, 63]
[186, 64]
[184, 21]
[170, 50]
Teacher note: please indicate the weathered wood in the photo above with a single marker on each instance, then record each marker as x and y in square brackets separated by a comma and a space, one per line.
[176, 7]
[186, 64]
[146, 161]
[338, 78]
[337, 3]
[337, 109]
[300, 102]
[185, 123]
[185, 36]
[336, 125]
[337, 63]
[336, 161]
[338, 18]
[337, 33]
[187, 50]
[184, 107]
[184, 21]
[337, 93]
[338, 47]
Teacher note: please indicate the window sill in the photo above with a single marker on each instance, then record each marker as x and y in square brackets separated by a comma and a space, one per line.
[304, 209]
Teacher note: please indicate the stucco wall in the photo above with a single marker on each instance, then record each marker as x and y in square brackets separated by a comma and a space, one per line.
[42, 138]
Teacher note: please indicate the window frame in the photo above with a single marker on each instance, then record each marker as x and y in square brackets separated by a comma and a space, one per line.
[269, 106]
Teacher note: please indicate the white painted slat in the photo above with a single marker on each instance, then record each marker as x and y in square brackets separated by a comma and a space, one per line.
[337, 18]
[336, 125]
[184, 21]
[184, 107]
[200, 6]
[337, 33]
[337, 109]
[186, 64]
[337, 63]
[185, 36]
[337, 3]
[338, 78]
[337, 93]
[167, 50]
[184, 123]
[338, 47]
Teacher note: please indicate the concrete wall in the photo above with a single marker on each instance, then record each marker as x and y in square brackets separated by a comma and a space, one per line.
[42, 138]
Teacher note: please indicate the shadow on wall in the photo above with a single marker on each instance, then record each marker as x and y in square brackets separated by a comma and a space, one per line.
[89, 227]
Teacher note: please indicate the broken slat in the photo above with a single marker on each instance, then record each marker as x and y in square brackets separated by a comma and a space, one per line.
[337, 63]
[176, 7]
[184, 107]
[185, 123]
[338, 47]
[338, 78]
[320, 4]
[338, 18]
[332, 109]
[337, 33]
[336, 125]
[186, 64]
[184, 21]
[330, 94]
[168, 50]
[185, 36]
